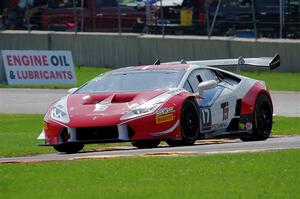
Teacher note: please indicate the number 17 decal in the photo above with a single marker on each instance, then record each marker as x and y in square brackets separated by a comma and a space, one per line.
[205, 119]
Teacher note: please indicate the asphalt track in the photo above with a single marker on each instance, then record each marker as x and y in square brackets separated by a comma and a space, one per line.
[37, 100]
[202, 148]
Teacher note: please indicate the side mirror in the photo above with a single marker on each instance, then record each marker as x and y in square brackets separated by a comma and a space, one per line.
[72, 90]
[206, 86]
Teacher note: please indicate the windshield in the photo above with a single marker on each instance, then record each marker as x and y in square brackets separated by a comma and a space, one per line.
[133, 81]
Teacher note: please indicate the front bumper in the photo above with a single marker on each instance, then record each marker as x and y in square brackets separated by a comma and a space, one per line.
[144, 128]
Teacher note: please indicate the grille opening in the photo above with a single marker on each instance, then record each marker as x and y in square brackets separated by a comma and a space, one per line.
[64, 135]
[97, 133]
[131, 132]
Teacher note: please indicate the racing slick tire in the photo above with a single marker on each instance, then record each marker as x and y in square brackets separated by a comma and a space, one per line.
[262, 120]
[146, 144]
[69, 147]
[189, 123]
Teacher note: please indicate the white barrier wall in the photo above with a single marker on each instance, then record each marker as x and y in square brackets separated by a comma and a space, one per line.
[114, 50]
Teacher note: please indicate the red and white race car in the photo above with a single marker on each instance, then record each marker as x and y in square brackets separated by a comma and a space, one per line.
[177, 102]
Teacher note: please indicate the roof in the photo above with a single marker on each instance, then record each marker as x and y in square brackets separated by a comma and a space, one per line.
[154, 67]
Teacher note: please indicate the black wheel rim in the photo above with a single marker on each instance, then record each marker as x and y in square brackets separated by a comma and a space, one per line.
[264, 118]
[189, 121]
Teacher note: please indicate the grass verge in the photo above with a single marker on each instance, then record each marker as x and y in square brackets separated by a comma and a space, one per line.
[18, 133]
[243, 176]
[286, 125]
[274, 80]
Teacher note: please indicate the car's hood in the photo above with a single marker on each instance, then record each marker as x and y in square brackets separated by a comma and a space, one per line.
[105, 108]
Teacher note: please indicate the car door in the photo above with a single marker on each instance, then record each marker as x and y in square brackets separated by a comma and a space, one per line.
[222, 104]
[197, 76]
[216, 105]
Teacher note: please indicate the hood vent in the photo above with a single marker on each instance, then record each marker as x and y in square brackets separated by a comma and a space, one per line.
[114, 98]
[123, 98]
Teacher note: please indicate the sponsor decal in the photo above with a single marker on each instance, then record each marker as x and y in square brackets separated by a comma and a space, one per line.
[164, 118]
[249, 126]
[165, 111]
[225, 107]
[86, 97]
[102, 106]
[242, 126]
[205, 119]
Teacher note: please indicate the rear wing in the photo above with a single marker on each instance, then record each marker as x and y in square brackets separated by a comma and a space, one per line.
[266, 62]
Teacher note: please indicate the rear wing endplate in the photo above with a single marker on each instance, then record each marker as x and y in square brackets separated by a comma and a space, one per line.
[267, 62]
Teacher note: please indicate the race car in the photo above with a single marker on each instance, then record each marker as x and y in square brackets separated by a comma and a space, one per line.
[176, 102]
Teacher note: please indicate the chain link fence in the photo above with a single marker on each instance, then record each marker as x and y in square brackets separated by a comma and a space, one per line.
[240, 18]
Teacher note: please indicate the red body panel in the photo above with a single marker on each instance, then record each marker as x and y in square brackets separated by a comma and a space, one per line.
[82, 114]
[248, 101]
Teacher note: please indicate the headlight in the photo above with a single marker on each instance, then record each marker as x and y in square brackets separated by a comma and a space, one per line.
[59, 111]
[150, 106]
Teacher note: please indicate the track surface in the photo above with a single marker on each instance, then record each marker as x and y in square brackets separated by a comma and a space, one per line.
[232, 146]
[37, 101]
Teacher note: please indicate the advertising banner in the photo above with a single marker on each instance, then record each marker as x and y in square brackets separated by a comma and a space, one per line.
[38, 67]
[2, 71]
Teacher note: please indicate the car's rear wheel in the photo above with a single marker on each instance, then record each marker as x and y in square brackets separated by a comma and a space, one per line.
[262, 120]
[146, 144]
[189, 123]
[69, 147]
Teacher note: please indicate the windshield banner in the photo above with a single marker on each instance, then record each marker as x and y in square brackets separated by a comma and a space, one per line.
[38, 67]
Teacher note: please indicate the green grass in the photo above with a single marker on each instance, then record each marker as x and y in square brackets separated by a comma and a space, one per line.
[18, 133]
[277, 80]
[83, 74]
[264, 175]
[286, 125]
[274, 80]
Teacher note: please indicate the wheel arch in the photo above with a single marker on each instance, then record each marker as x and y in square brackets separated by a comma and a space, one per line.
[249, 100]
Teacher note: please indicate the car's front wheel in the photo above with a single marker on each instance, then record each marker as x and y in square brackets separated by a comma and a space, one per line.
[189, 122]
[262, 120]
[146, 144]
[69, 147]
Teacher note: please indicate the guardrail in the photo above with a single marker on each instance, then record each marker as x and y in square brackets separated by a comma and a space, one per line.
[118, 50]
